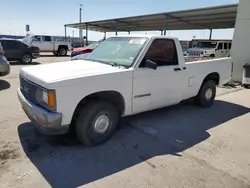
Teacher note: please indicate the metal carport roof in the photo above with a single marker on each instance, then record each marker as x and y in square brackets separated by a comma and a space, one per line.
[218, 17]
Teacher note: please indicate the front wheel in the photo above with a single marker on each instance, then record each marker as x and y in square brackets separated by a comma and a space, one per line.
[96, 122]
[206, 95]
[62, 51]
[26, 59]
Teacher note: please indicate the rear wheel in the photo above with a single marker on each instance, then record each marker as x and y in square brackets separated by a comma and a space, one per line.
[96, 122]
[62, 51]
[206, 95]
[26, 59]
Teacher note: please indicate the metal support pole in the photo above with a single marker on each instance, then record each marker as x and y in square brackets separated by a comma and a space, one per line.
[65, 32]
[80, 21]
[87, 34]
[129, 32]
[116, 25]
[161, 32]
[165, 26]
[105, 36]
[210, 36]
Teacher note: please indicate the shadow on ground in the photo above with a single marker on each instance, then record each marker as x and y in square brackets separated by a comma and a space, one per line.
[4, 85]
[64, 162]
[13, 63]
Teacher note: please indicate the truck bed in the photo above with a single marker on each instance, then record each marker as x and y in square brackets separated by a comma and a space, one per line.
[191, 59]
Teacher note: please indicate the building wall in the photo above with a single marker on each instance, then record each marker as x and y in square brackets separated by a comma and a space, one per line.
[241, 40]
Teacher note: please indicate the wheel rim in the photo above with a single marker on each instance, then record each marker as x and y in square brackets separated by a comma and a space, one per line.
[101, 123]
[62, 51]
[26, 58]
[209, 94]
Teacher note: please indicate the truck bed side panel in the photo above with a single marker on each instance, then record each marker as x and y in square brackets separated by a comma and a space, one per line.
[197, 71]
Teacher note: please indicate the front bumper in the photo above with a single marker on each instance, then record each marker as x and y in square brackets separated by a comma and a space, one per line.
[49, 123]
[76, 53]
[35, 55]
[4, 66]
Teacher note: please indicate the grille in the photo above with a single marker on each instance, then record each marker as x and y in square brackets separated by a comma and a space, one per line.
[194, 53]
[28, 89]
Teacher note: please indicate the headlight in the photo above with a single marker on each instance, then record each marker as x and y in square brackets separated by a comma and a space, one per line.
[47, 98]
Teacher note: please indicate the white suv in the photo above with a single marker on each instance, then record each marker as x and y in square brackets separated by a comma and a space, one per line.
[216, 49]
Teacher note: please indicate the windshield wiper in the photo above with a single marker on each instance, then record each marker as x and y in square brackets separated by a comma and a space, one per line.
[114, 64]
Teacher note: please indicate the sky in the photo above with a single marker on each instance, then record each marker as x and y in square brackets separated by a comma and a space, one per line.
[49, 16]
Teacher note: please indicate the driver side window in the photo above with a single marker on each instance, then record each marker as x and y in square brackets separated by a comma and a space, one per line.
[162, 52]
[36, 38]
[220, 46]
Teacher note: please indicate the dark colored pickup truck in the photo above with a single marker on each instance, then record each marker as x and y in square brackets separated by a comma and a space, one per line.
[15, 50]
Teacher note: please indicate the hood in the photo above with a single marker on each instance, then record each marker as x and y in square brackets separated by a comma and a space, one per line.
[61, 71]
[80, 49]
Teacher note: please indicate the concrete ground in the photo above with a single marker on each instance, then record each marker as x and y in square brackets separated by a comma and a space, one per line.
[180, 146]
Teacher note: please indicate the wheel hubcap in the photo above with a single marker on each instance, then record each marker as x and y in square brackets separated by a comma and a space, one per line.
[101, 124]
[209, 94]
[26, 59]
[62, 51]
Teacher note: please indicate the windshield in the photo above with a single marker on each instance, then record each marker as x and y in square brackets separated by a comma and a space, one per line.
[118, 50]
[206, 45]
[27, 39]
[93, 45]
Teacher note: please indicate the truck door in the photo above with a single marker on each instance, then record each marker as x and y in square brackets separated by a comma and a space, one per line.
[219, 50]
[47, 44]
[163, 86]
[37, 41]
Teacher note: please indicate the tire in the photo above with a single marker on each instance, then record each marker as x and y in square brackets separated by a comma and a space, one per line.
[206, 95]
[212, 55]
[26, 59]
[62, 51]
[246, 86]
[85, 128]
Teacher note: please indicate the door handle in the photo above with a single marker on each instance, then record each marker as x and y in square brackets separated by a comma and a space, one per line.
[177, 69]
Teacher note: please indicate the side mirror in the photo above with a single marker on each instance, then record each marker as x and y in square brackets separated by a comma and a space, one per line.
[150, 64]
[216, 49]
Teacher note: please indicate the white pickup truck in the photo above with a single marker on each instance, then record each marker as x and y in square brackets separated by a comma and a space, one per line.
[123, 76]
[48, 44]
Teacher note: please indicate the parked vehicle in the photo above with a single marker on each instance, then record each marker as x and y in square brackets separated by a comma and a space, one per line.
[83, 50]
[80, 57]
[246, 76]
[15, 50]
[123, 76]
[4, 64]
[48, 44]
[216, 49]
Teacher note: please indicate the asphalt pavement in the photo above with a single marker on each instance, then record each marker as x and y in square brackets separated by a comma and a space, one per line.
[179, 146]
